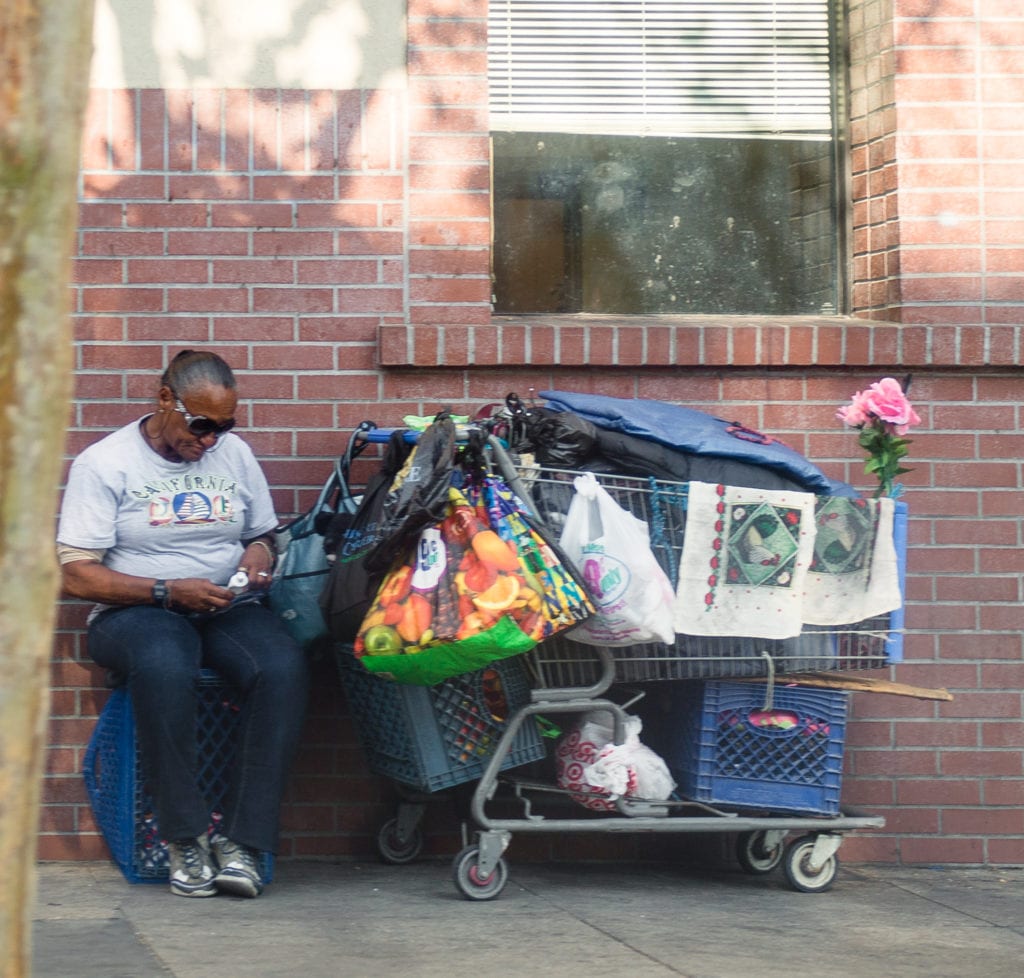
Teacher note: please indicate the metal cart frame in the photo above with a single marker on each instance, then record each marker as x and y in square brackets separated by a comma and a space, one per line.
[581, 682]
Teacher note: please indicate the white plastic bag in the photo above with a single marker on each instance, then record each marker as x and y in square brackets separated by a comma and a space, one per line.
[586, 760]
[611, 548]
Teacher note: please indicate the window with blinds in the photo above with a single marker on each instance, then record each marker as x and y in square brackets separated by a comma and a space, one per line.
[656, 156]
[661, 67]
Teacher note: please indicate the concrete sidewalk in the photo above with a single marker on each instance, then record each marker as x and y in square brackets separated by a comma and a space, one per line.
[357, 920]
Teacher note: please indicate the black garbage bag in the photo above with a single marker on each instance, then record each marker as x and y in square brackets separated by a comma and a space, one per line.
[419, 496]
[560, 438]
[350, 537]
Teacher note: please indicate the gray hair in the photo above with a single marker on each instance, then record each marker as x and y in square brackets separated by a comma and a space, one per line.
[192, 369]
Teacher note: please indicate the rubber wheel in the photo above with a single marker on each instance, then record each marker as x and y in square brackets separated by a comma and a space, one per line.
[797, 867]
[468, 880]
[392, 849]
[752, 855]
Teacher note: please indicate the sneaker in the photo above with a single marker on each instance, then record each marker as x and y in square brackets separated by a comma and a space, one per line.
[238, 872]
[191, 870]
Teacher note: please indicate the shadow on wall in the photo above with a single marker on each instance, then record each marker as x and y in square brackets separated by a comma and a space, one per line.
[301, 44]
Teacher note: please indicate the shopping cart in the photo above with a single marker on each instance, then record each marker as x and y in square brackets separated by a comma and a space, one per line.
[573, 679]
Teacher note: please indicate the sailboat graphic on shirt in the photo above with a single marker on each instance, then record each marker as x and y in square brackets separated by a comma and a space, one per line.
[192, 507]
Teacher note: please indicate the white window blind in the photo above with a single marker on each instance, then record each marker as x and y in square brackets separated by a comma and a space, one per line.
[661, 67]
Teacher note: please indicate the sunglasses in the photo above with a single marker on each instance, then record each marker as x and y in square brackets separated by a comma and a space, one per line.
[201, 426]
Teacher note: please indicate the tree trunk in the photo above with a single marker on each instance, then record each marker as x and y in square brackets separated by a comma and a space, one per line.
[45, 50]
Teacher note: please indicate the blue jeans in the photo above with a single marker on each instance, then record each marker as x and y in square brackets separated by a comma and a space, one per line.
[160, 654]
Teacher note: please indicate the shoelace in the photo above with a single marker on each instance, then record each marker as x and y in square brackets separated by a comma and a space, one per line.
[241, 854]
[191, 857]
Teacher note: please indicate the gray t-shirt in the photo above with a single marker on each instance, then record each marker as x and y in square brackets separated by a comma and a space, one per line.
[161, 519]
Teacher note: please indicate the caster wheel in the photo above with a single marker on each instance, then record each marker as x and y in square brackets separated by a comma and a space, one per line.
[468, 880]
[799, 873]
[395, 850]
[755, 855]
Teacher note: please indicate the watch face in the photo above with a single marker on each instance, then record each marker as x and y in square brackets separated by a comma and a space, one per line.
[159, 592]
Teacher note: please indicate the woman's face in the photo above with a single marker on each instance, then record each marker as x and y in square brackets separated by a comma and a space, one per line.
[214, 403]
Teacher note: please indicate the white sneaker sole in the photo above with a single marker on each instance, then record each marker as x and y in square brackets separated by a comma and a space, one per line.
[207, 890]
[237, 884]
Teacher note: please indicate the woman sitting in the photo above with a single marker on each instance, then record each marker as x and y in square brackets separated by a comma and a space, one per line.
[159, 517]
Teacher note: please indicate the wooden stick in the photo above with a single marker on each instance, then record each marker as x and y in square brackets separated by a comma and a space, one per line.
[863, 684]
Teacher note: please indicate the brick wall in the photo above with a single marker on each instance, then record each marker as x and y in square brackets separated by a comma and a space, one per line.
[334, 247]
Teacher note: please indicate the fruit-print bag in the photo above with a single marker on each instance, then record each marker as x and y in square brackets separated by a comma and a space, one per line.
[459, 601]
[547, 571]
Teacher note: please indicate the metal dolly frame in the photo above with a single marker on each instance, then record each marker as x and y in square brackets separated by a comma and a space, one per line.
[480, 871]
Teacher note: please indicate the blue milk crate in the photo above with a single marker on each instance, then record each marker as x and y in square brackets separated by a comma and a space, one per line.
[726, 749]
[434, 737]
[115, 781]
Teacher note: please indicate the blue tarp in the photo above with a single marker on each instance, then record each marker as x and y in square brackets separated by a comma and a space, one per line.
[695, 431]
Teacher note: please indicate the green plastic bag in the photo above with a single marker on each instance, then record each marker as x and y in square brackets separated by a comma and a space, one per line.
[440, 662]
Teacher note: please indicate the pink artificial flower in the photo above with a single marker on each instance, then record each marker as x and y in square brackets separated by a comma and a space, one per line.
[887, 402]
[856, 413]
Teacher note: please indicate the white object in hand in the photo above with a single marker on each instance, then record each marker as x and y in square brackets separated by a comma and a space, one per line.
[239, 582]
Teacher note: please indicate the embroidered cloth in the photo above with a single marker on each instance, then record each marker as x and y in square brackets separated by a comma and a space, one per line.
[853, 575]
[744, 562]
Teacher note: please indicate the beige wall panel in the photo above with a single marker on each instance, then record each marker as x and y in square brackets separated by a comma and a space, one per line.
[333, 44]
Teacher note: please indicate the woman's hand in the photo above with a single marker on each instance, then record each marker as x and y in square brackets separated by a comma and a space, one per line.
[91, 581]
[197, 594]
[258, 562]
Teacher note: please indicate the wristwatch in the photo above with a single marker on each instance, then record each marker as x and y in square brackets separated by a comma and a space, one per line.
[160, 593]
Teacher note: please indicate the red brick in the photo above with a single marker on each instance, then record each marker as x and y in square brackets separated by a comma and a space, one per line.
[986, 822]
[207, 243]
[251, 271]
[341, 214]
[1009, 733]
[394, 344]
[122, 300]
[426, 345]
[456, 345]
[333, 329]
[979, 764]
[210, 299]
[572, 345]
[513, 344]
[456, 289]
[288, 243]
[161, 270]
[365, 300]
[1003, 791]
[449, 233]
[936, 734]
[295, 188]
[100, 215]
[246, 214]
[1003, 852]
[157, 328]
[449, 176]
[93, 271]
[941, 851]
[469, 314]
[126, 243]
[935, 793]
[370, 243]
[336, 272]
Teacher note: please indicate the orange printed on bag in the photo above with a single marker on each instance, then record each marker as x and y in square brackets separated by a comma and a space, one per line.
[416, 618]
[491, 549]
